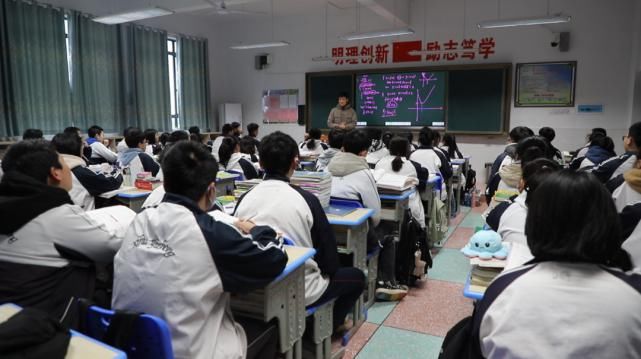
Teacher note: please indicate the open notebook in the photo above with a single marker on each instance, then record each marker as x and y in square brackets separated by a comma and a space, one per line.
[391, 182]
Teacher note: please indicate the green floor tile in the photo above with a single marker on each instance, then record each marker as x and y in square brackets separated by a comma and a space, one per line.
[379, 311]
[465, 209]
[397, 343]
[450, 265]
[472, 220]
[450, 230]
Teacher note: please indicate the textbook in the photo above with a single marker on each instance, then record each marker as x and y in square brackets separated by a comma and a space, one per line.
[244, 186]
[393, 183]
[317, 183]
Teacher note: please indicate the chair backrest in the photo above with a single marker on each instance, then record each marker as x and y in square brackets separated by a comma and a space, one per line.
[345, 202]
[149, 339]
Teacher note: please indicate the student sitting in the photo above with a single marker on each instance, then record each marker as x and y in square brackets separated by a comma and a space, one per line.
[299, 216]
[573, 232]
[122, 145]
[450, 147]
[527, 150]
[313, 146]
[86, 149]
[410, 138]
[236, 129]
[225, 132]
[335, 138]
[32, 134]
[600, 150]
[47, 244]
[614, 168]
[379, 147]
[135, 157]
[627, 199]
[596, 132]
[153, 145]
[397, 163]
[248, 147]
[178, 263]
[99, 152]
[231, 159]
[86, 184]
[252, 134]
[516, 135]
[353, 179]
[432, 160]
[549, 135]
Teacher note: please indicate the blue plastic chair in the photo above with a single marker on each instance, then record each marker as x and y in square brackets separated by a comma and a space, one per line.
[242, 175]
[288, 241]
[345, 202]
[150, 339]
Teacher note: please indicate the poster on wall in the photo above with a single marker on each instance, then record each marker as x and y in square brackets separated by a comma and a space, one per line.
[545, 84]
[280, 106]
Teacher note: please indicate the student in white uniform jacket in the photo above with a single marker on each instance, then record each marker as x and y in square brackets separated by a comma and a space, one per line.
[627, 199]
[433, 160]
[178, 263]
[379, 148]
[99, 152]
[313, 147]
[570, 302]
[135, 157]
[231, 159]
[215, 146]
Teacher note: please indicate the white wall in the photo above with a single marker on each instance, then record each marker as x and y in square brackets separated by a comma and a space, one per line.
[601, 42]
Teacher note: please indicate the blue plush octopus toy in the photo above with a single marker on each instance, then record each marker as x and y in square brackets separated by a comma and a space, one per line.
[485, 245]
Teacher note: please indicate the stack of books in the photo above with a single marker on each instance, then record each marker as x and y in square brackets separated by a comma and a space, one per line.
[390, 183]
[317, 183]
[483, 273]
[244, 186]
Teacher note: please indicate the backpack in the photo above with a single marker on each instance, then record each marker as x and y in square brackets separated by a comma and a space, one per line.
[413, 256]
[470, 180]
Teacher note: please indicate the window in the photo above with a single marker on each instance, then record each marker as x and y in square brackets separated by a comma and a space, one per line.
[68, 42]
[174, 94]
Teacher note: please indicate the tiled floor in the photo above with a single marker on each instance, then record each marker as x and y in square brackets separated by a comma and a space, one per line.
[415, 327]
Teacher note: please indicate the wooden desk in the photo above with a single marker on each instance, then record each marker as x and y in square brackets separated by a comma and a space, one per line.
[80, 345]
[283, 299]
[133, 198]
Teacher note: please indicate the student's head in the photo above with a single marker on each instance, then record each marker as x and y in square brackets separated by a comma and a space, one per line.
[226, 130]
[534, 173]
[189, 170]
[343, 99]
[604, 142]
[73, 129]
[278, 154]
[531, 148]
[194, 129]
[96, 132]
[151, 135]
[386, 138]
[252, 129]
[194, 137]
[135, 138]
[178, 135]
[572, 218]
[126, 130]
[228, 147]
[519, 133]
[336, 137]
[314, 135]
[374, 134]
[547, 133]
[437, 138]
[596, 132]
[449, 140]
[247, 146]
[236, 129]
[164, 138]
[32, 134]
[67, 143]
[399, 147]
[632, 142]
[426, 137]
[39, 161]
[356, 142]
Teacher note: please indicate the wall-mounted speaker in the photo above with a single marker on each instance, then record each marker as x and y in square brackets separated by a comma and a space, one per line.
[263, 61]
[564, 42]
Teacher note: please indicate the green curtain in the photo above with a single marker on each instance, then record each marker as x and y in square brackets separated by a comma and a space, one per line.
[97, 95]
[35, 82]
[194, 82]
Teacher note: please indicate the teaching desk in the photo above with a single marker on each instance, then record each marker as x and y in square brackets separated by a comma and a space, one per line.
[80, 345]
[282, 299]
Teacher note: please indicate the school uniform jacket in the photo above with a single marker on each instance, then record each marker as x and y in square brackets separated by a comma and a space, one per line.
[560, 310]
[87, 184]
[178, 263]
[47, 245]
[100, 153]
[374, 156]
[215, 146]
[241, 163]
[627, 199]
[142, 162]
[611, 168]
[299, 216]
[319, 147]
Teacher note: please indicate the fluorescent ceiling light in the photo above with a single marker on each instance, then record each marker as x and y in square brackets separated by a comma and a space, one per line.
[260, 45]
[545, 20]
[375, 34]
[133, 15]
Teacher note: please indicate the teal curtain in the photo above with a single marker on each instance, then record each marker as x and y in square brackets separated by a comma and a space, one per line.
[194, 82]
[35, 82]
[97, 95]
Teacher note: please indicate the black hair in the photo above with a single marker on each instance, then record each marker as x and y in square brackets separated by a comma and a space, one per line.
[635, 132]
[277, 151]
[94, 131]
[386, 138]
[188, 169]
[572, 218]
[547, 133]
[344, 94]
[194, 129]
[314, 135]
[226, 149]
[134, 137]
[399, 147]
[235, 125]
[519, 133]
[194, 137]
[426, 137]
[449, 140]
[33, 158]
[251, 128]
[437, 138]
[599, 131]
[247, 145]
[150, 136]
[409, 136]
[164, 137]
[226, 130]
[126, 130]
[374, 137]
[604, 142]
[72, 129]
[531, 148]
[355, 142]
[67, 143]
[535, 172]
[32, 134]
[178, 135]
[336, 137]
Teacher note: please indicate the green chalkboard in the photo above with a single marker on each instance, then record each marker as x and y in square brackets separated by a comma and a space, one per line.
[476, 101]
[322, 96]
[401, 99]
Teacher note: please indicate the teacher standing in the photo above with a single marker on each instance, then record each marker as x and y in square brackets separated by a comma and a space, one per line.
[343, 115]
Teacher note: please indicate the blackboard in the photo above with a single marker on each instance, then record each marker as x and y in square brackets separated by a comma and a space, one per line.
[401, 99]
[477, 97]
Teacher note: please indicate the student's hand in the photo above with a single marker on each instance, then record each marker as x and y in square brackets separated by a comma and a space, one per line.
[245, 226]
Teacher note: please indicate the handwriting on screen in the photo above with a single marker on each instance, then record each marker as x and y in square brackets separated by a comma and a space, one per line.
[387, 99]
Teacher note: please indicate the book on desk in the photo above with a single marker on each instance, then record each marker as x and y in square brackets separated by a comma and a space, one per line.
[391, 183]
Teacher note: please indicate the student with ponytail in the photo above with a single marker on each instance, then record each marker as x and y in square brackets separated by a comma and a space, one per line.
[231, 159]
[313, 146]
